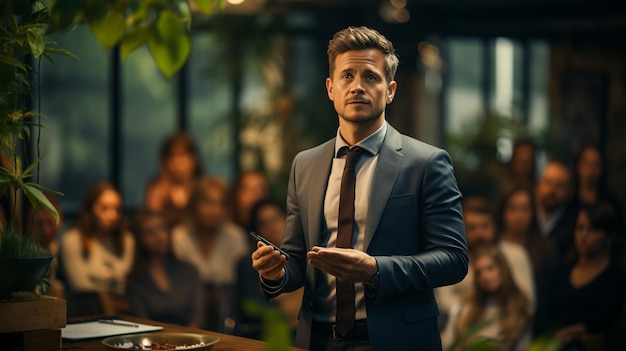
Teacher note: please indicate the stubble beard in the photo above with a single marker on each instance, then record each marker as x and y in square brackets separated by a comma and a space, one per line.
[361, 120]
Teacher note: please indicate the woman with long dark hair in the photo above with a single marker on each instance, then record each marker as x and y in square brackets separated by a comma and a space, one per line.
[588, 295]
[180, 169]
[96, 255]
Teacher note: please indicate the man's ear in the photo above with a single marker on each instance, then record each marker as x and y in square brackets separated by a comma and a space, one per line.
[391, 91]
[329, 88]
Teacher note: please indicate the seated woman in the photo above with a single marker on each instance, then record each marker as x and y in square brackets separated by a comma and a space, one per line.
[180, 169]
[161, 287]
[588, 295]
[495, 304]
[96, 255]
[214, 246]
[517, 222]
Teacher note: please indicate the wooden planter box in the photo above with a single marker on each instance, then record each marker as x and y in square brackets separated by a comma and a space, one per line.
[37, 323]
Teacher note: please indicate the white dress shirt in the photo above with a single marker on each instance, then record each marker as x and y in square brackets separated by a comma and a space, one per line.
[326, 305]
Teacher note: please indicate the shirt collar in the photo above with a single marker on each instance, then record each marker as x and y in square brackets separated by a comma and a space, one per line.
[371, 144]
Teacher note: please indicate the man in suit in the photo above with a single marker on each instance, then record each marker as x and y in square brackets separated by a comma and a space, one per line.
[405, 220]
[556, 211]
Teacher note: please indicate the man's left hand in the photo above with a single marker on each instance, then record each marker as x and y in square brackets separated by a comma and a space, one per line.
[348, 265]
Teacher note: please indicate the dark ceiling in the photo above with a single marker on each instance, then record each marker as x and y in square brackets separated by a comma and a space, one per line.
[515, 18]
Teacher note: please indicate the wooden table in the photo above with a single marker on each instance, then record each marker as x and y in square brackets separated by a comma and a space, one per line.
[226, 343]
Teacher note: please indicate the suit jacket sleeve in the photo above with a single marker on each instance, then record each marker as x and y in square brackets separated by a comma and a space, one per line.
[443, 258]
[293, 242]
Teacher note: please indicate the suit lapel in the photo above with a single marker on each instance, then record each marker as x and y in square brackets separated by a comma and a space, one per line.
[387, 168]
[319, 181]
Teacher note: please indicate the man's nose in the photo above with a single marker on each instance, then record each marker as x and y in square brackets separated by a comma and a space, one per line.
[357, 87]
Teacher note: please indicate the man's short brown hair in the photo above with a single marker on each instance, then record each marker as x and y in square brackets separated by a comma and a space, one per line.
[362, 38]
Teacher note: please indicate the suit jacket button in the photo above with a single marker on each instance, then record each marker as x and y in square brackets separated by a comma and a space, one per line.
[311, 304]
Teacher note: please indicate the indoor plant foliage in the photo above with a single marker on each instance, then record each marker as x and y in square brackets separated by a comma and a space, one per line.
[22, 43]
[163, 25]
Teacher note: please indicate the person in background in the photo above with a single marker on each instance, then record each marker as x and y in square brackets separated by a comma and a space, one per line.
[268, 220]
[161, 287]
[47, 229]
[590, 175]
[97, 254]
[590, 178]
[522, 167]
[214, 246]
[370, 255]
[495, 302]
[180, 168]
[250, 187]
[480, 228]
[588, 295]
[517, 223]
[556, 212]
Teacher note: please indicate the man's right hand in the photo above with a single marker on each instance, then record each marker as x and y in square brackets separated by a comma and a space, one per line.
[268, 262]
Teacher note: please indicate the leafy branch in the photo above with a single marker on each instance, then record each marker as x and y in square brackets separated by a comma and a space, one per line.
[163, 25]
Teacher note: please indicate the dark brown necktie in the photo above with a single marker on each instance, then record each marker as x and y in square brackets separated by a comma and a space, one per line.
[345, 291]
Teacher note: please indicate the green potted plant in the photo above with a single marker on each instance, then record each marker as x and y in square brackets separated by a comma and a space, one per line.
[22, 43]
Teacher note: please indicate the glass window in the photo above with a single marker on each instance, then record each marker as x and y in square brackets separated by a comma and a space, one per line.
[148, 116]
[75, 99]
[463, 97]
[539, 75]
[210, 106]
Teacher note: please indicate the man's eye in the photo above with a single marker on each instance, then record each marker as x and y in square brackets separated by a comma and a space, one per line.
[345, 75]
[371, 77]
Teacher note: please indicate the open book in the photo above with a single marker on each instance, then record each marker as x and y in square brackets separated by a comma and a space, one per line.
[103, 328]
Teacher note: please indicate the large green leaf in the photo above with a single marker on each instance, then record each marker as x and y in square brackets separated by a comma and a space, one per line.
[169, 43]
[35, 38]
[109, 29]
[134, 40]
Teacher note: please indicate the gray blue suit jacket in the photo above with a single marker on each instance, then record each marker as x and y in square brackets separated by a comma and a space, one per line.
[414, 230]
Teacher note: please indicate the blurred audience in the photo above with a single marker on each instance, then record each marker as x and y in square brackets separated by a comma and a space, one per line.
[180, 168]
[250, 187]
[556, 212]
[97, 254]
[214, 246]
[47, 229]
[494, 309]
[268, 220]
[588, 295]
[161, 287]
[480, 227]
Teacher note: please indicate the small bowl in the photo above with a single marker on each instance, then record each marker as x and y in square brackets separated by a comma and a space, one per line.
[185, 341]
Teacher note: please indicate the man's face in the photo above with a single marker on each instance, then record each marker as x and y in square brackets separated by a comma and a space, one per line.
[358, 87]
[553, 189]
[479, 227]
